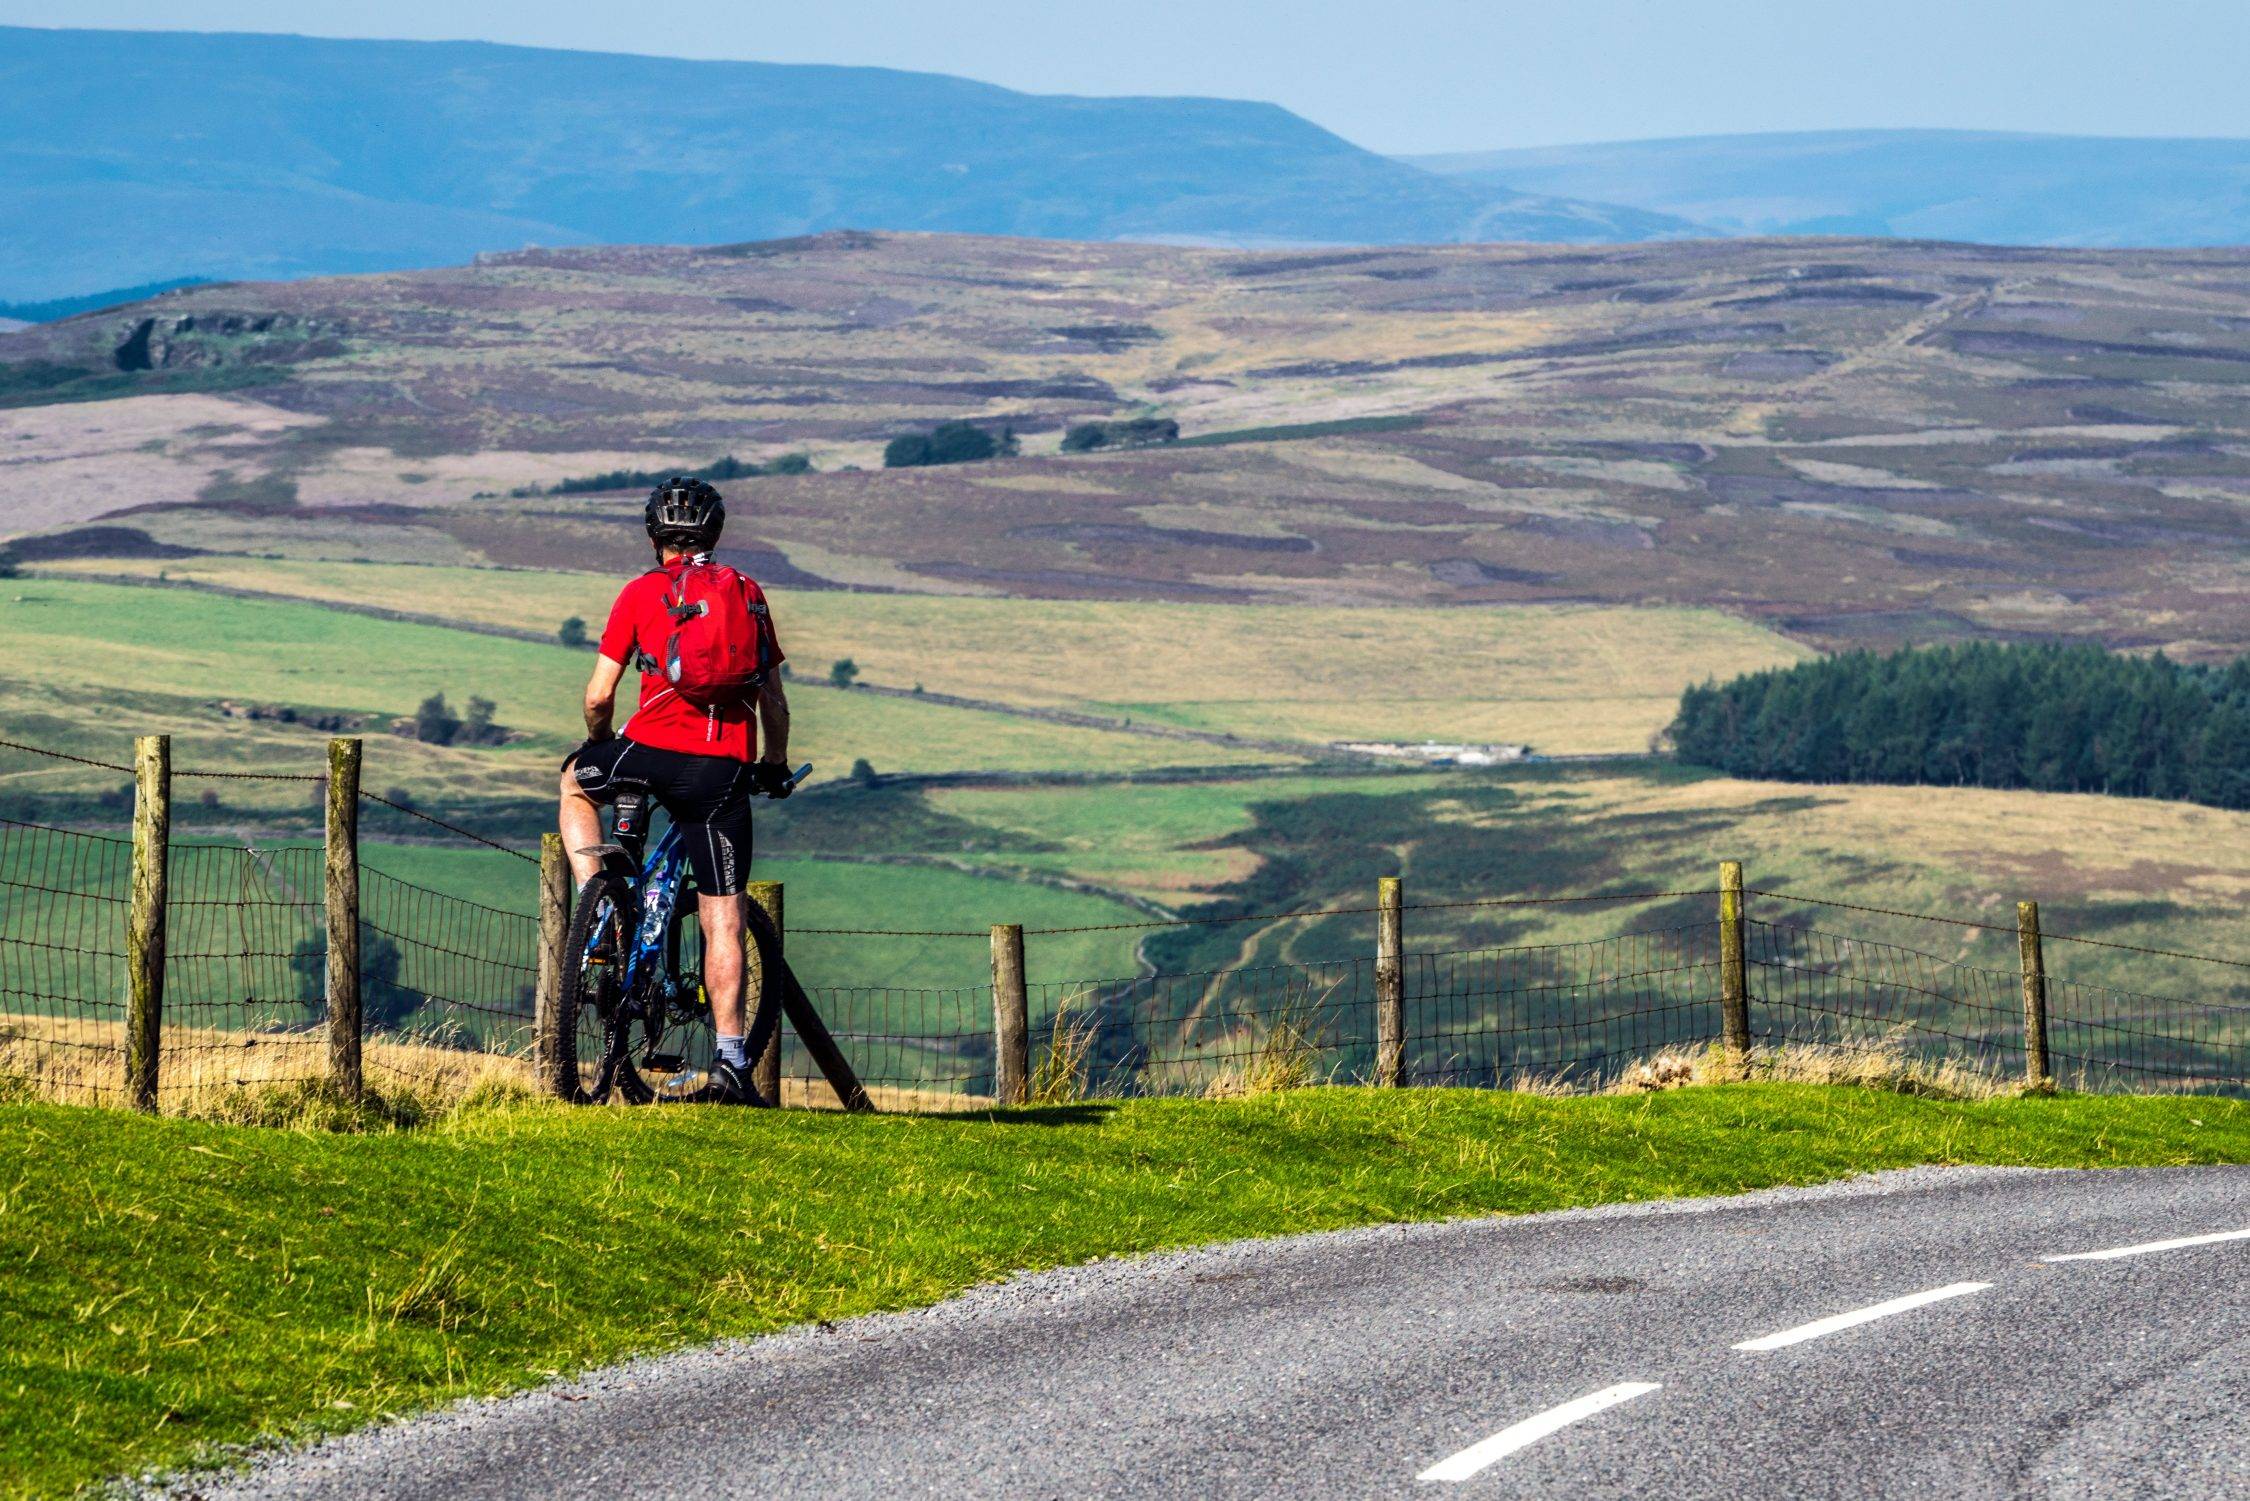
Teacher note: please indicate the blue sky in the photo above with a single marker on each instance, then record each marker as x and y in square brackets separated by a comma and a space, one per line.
[1422, 75]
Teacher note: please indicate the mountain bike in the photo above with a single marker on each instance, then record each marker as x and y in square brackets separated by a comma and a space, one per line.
[636, 961]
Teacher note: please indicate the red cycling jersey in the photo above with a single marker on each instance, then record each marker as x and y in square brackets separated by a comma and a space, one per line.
[638, 627]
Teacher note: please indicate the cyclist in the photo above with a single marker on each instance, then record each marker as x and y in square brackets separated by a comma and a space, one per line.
[701, 764]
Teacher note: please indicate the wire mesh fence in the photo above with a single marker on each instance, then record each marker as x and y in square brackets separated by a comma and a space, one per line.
[911, 1048]
[2104, 1039]
[245, 1001]
[1811, 987]
[1569, 1014]
[448, 990]
[63, 899]
[447, 986]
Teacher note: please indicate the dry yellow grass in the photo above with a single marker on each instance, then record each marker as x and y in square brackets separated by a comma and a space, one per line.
[1568, 679]
[1881, 1064]
[209, 1074]
[278, 1078]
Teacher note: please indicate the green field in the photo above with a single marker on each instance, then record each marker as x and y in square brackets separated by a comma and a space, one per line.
[175, 1286]
[93, 664]
[1493, 673]
[838, 894]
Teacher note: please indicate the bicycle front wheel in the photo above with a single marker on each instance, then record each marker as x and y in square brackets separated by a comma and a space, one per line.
[593, 989]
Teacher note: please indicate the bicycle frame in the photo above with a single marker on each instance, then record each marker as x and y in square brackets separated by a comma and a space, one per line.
[650, 988]
[655, 882]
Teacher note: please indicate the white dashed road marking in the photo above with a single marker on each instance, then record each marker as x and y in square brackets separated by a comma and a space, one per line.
[1857, 1316]
[1516, 1436]
[2155, 1245]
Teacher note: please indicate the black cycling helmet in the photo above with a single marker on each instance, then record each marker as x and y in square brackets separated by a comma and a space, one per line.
[685, 513]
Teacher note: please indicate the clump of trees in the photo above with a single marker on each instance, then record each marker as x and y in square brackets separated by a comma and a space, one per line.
[949, 443]
[726, 468]
[436, 724]
[2051, 718]
[842, 673]
[1136, 432]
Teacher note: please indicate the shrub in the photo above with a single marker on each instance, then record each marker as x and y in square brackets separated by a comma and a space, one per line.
[1138, 432]
[573, 632]
[907, 451]
[477, 727]
[864, 773]
[843, 673]
[947, 443]
[434, 723]
[383, 1003]
[790, 463]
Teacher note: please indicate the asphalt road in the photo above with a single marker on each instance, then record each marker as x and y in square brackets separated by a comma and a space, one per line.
[1352, 1364]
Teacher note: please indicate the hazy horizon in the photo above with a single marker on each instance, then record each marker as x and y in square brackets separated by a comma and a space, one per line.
[1449, 77]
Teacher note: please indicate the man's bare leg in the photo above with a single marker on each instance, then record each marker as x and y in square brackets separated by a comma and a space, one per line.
[581, 825]
[721, 917]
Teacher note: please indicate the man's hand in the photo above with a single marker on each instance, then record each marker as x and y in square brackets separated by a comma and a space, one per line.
[771, 778]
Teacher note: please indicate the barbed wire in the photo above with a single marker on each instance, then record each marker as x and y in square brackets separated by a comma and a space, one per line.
[41, 750]
[452, 828]
[1497, 901]
[888, 933]
[1988, 927]
[177, 771]
[275, 776]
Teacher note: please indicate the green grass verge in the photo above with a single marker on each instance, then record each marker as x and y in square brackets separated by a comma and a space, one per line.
[173, 1286]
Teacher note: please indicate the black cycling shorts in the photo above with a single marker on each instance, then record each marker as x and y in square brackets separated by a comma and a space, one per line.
[708, 798]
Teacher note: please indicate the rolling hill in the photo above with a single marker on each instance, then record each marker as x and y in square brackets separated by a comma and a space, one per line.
[134, 156]
[1850, 441]
[1994, 188]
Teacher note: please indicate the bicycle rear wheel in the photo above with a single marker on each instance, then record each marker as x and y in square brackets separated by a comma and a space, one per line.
[690, 1027]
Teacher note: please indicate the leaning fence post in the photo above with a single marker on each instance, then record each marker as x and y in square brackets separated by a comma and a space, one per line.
[2034, 957]
[1734, 974]
[554, 1036]
[1390, 983]
[1011, 1017]
[766, 1067]
[342, 884]
[144, 934]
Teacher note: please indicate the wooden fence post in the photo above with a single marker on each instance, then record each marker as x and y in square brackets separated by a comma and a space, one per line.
[342, 884]
[144, 933]
[554, 1035]
[2034, 957]
[1390, 983]
[1011, 1017]
[765, 1070]
[1734, 974]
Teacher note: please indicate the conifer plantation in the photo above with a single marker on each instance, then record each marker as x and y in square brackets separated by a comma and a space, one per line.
[2050, 718]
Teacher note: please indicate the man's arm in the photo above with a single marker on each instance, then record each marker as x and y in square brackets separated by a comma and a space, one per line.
[773, 720]
[601, 698]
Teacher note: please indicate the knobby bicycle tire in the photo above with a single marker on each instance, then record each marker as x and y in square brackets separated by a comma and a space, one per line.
[593, 993]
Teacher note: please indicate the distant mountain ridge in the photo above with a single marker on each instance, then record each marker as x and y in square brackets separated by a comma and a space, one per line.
[1995, 188]
[137, 156]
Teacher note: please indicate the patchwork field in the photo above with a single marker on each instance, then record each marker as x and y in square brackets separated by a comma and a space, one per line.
[1857, 440]
[2165, 875]
[1474, 494]
[94, 664]
[1292, 672]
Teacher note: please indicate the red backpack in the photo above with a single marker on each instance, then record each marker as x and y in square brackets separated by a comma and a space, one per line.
[720, 648]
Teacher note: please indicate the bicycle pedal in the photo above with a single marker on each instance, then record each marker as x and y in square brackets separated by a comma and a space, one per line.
[664, 1063]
